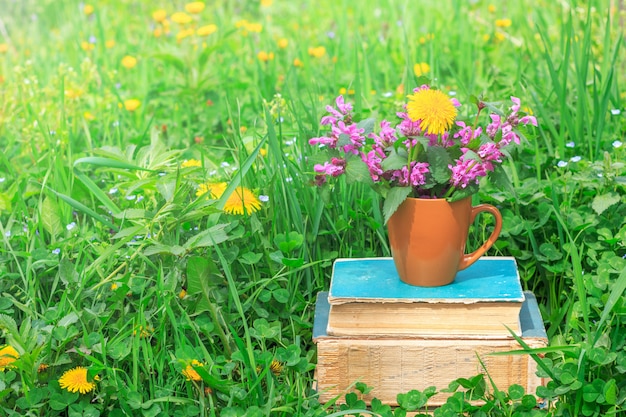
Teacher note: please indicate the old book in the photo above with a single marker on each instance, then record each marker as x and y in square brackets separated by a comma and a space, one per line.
[367, 298]
[393, 365]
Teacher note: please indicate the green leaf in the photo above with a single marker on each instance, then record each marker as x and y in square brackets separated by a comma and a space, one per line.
[200, 269]
[550, 251]
[516, 391]
[367, 125]
[610, 392]
[395, 197]
[602, 202]
[439, 159]
[357, 172]
[5, 202]
[131, 214]
[395, 160]
[164, 249]
[50, 218]
[210, 237]
[412, 400]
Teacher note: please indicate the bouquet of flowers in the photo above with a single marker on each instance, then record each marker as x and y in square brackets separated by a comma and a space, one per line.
[427, 154]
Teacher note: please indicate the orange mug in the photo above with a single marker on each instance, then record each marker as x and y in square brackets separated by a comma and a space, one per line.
[427, 239]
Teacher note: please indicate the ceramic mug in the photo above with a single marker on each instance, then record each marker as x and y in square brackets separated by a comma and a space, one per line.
[427, 239]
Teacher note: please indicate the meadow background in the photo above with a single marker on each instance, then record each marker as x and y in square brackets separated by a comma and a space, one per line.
[180, 299]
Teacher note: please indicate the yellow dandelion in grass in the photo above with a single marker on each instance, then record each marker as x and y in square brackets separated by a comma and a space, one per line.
[181, 18]
[317, 52]
[88, 9]
[132, 104]
[89, 116]
[109, 44]
[75, 380]
[1, 79]
[206, 30]
[276, 367]
[73, 93]
[282, 43]
[157, 32]
[241, 201]
[194, 7]
[190, 373]
[433, 109]
[254, 27]
[214, 189]
[159, 15]
[129, 62]
[298, 63]
[491, 8]
[3, 48]
[87, 46]
[421, 68]
[265, 56]
[8, 355]
[184, 34]
[503, 23]
[266, 3]
[241, 23]
[190, 163]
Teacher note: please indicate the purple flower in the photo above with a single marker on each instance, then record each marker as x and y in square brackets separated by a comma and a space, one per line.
[529, 119]
[373, 159]
[494, 126]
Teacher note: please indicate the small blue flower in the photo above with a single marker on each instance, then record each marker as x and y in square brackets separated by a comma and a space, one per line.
[71, 226]
[264, 198]
[561, 164]
[56, 251]
[575, 158]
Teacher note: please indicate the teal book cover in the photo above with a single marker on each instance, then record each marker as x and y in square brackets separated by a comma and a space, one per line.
[490, 279]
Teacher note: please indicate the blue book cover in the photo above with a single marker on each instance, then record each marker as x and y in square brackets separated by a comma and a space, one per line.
[490, 279]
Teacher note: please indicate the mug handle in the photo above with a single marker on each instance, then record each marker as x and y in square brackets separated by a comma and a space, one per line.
[469, 259]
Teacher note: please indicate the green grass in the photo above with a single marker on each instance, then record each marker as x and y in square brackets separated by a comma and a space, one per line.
[102, 231]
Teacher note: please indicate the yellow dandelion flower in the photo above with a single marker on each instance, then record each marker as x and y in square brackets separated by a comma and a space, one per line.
[194, 7]
[265, 56]
[242, 201]
[486, 37]
[190, 163]
[132, 104]
[75, 380]
[157, 32]
[182, 294]
[266, 3]
[503, 23]
[263, 152]
[129, 62]
[214, 189]
[1, 79]
[3, 48]
[88, 9]
[206, 30]
[159, 15]
[422, 40]
[181, 18]
[298, 63]
[190, 373]
[491, 8]
[244, 129]
[421, 68]
[184, 34]
[433, 109]
[282, 43]
[114, 286]
[144, 332]
[241, 23]
[499, 37]
[87, 46]
[73, 93]
[109, 44]
[276, 367]
[89, 116]
[317, 52]
[343, 90]
[8, 355]
[254, 27]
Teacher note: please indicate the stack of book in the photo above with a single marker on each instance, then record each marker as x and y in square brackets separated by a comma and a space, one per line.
[373, 328]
